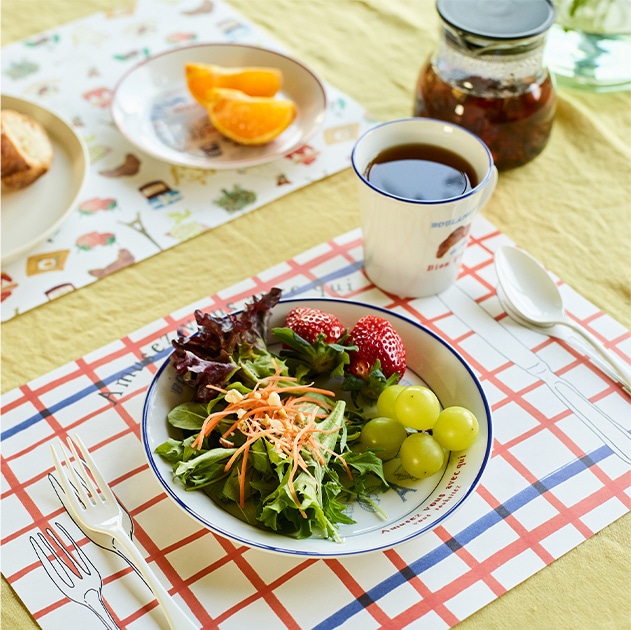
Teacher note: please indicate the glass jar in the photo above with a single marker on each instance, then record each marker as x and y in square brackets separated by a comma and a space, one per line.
[487, 75]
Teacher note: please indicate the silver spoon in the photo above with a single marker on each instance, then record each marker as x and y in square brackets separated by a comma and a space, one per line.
[533, 296]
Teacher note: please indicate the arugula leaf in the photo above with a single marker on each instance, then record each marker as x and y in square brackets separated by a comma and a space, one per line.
[254, 369]
[171, 451]
[188, 416]
[368, 477]
[366, 463]
[204, 469]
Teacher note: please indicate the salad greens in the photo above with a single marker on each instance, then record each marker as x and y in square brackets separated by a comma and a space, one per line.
[263, 441]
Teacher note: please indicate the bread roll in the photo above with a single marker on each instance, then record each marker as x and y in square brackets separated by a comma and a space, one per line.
[27, 151]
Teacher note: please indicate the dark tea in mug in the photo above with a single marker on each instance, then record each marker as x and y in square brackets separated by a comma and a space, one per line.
[421, 172]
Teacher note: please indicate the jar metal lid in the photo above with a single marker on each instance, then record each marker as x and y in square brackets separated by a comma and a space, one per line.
[498, 19]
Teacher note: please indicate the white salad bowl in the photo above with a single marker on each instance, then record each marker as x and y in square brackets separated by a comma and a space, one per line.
[412, 507]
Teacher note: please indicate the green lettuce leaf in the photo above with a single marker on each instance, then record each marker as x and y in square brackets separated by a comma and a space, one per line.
[313, 500]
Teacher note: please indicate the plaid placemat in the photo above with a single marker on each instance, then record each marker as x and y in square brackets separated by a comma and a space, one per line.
[557, 474]
[134, 206]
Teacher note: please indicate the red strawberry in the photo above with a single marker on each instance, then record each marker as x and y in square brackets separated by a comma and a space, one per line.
[309, 323]
[314, 342]
[380, 357]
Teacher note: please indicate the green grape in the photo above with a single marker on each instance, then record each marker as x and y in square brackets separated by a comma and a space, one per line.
[384, 436]
[421, 455]
[456, 428]
[417, 407]
[385, 402]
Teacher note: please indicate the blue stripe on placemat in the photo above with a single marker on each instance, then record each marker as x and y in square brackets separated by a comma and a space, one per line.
[469, 533]
[77, 396]
[87, 391]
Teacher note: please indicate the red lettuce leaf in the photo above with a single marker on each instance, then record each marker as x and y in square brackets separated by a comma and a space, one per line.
[213, 354]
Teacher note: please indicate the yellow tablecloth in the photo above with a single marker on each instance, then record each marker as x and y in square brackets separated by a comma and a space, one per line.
[570, 208]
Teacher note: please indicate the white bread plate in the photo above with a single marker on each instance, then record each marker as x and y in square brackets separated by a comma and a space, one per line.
[33, 214]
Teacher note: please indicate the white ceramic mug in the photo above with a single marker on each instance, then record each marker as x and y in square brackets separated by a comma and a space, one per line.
[414, 248]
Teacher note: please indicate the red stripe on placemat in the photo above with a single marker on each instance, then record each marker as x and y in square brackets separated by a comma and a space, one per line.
[358, 592]
[266, 592]
[429, 600]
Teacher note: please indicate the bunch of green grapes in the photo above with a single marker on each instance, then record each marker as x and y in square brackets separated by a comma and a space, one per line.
[412, 424]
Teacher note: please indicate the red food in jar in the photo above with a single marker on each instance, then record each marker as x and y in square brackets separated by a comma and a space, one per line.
[515, 124]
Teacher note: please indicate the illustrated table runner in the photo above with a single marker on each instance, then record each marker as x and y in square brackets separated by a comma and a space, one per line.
[552, 481]
[73, 70]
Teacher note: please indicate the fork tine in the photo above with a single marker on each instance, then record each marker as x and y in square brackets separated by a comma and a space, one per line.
[85, 565]
[73, 495]
[82, 472]
[47, 563]
[103, 486]
[79, 493]
[63, 478]
[67, 561]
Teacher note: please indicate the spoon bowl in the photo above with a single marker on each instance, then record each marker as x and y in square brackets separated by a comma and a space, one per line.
[531, 296]
[528, 288]
[513, 314]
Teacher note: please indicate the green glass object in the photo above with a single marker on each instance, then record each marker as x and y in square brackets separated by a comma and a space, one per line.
[589, 46]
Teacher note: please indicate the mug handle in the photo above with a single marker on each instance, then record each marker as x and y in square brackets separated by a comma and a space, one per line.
[490, 187]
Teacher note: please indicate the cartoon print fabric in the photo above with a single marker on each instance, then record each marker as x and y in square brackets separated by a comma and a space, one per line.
[134, 206]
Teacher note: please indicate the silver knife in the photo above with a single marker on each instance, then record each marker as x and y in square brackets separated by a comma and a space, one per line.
[497, 336]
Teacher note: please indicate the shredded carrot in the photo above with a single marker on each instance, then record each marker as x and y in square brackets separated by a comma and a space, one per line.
[242, 477]
[288, 423]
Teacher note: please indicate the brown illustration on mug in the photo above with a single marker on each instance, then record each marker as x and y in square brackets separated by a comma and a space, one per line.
[457, 235]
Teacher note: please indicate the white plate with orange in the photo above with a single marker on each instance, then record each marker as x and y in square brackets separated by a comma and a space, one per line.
[154, 109]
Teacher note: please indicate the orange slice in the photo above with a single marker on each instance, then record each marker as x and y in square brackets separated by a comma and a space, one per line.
[201, 78]
[249, 119]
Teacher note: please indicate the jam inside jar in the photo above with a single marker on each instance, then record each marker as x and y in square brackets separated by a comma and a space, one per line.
[487, 75]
